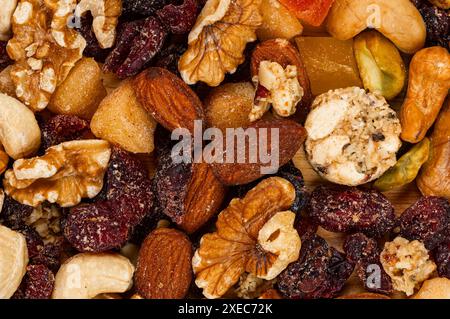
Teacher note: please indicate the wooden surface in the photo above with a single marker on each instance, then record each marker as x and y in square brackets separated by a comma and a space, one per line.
[401, 198]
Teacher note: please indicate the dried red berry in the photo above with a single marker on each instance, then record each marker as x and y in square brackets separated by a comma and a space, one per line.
[4, 57]
[442, 258]
[349, 209]
[179, 19]
[93, 48]
[109, 223]
[365, 253]
[62, 128]
[37, 283]
[305, 227]
[14, 213]
[320, 272]
[427, 220]
[133, 9]
[169, 56]
[137, 43]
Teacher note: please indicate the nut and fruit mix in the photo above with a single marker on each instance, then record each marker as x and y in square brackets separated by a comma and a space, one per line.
[271, 149]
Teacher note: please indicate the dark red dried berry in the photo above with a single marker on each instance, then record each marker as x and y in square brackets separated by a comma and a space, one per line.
[349, 209]
[442, 258]
[320, 272]
[109, 223]
[14, 213]
[169, 56]
[137, 43]
[38, 283]
[134, 9]
[179, 19]
[50, 255]
[4, 57]
[305, 227]
[427, 220]
[93, 48]
[365, 253]
[62, 128]
[34, 242]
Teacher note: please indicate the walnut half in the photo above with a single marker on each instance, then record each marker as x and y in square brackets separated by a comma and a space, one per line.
[65, 174]
[253, 235]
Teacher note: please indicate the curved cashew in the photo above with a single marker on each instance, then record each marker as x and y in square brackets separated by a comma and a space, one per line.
[398, 20]
[8, 7]
[87, 275]
[13, 261]
[19, 131]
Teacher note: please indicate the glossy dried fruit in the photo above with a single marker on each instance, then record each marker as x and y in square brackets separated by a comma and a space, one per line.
[312, 12]
[365, 253]
[427, 220]
[164, 265]
[37, 283]
[109, 222]
[349, 209]
[137, 43]
[406, 168]
[286, 135]
[62, 128]
[320, 272]
[442, 258]
[179, 19]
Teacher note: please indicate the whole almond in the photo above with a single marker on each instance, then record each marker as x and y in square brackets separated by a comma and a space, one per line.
[168, 99]
[291, 137]
[284, 53]
[164, 265]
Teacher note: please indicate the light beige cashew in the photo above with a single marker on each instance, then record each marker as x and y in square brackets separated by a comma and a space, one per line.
[86, 275]
[13, 261]
[6, 12]
[398, 20]
[19, 131]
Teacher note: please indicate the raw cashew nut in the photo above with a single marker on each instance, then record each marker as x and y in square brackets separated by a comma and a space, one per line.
[397, 20]
[19, 131]
[87, 275]
[8, 7]
[13, 261]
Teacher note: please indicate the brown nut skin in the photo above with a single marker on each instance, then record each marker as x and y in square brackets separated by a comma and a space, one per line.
[164, 265]
[284, 53]
[291, 137]
[168, 99]
[434, 178]
[429, 82]
[399, 21]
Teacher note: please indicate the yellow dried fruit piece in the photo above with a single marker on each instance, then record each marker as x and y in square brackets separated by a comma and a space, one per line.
[277, 22]
[406, 169]
[122, 120]
[229, 105]
[330, 63]
[81, 92]
[380, 65]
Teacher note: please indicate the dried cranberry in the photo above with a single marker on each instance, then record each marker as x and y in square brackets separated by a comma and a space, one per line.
[62, 128]
[34, 242]
[169, 56]
[38, 283]
[4, 57]
[14, 213]
[133, 9]
[320, 272]
[179, 19]
[109, 223]
[442, 258]
[305, 227]
[137, 43]
[349, 209]
[427, 220]
[364, 252]
[93, 48]
[50, 255]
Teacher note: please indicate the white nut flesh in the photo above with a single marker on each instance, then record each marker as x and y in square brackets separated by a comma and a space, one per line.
[13, 261]
[8, 7]
[87, 275]
[284, 90]
[19, 131]
[353, 136]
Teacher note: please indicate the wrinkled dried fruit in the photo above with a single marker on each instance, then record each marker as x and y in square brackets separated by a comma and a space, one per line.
[427, 220]
[349, 209]
[93, 48]
[133, 9]
[4, 57]
[320, 272]
[136, 45]
[109, 222]
[37, 283]
[14, 213]
[442, 258]
[406, 168]
[164, 265]
[179, 19]
[62, 128]
[365, 253]
[312, 12]
[168, 57]
[282, 136]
